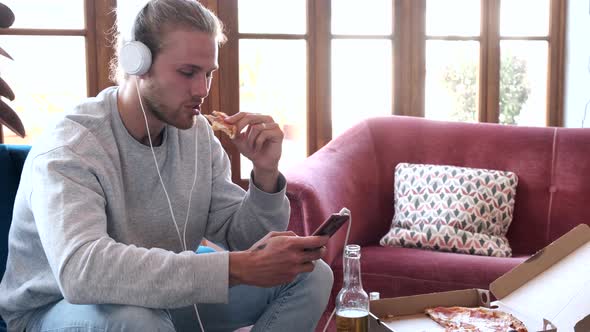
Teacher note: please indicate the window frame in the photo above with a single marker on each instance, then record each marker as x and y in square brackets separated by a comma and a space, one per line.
[490, 61]
[409, 98]
[408, 38]
[227, 91]
[409, 42]
[99, 20]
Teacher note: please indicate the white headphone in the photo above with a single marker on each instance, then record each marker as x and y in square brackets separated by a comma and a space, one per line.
[135, 58]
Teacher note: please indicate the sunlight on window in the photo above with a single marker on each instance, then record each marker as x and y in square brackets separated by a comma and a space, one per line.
[523, 82]
[272, 16]
[43, 89]
[453, 18]
[126, 12]
[352, 17]
[43, 14]
[361, 81]
[452, 70]
[535, 11]
[273, 81]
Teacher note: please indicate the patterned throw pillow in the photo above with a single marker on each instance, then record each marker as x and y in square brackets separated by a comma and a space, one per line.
[455, 209]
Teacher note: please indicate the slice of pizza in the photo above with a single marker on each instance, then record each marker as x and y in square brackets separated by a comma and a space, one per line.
[218, 122]
[464, 319]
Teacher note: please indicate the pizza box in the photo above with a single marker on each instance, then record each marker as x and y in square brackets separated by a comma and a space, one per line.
[553, 284]
[406, 314]
[549, 292]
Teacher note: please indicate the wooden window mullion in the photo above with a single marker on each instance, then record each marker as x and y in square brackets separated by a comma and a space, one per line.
[402, 59]
[489, 77]
[104, 22]
[483, 63]
[396, 59]
[212, 102]
[556, 59]
[319, 120]
[409, 57]
[90, 42]
[99, 20]
[229, 78]
[418, 58]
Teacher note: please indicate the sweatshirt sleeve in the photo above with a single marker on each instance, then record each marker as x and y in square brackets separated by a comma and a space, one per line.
[237, 219]
[68, 204]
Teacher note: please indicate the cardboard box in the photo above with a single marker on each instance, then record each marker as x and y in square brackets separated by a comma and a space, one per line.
[405, 314]
[549, 292]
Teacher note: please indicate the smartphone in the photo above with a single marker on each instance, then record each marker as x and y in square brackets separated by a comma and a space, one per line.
[331, 225]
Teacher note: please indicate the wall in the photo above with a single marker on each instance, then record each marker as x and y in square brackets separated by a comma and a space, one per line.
[577, 64]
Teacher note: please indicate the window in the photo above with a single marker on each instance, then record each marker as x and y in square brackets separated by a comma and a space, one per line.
[316, 66]
[272, 69]
[61, 52]
[272, 66]
[361, 56]
[464, 49]
[462, 60]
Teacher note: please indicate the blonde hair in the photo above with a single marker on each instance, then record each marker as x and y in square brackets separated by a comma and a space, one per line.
[157, 17]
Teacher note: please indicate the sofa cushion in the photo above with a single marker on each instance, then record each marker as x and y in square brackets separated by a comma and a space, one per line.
[450, 208]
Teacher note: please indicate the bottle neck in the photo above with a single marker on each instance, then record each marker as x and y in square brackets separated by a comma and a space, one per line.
[352, 272]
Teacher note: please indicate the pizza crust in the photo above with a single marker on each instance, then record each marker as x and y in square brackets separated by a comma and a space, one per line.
[217, 120]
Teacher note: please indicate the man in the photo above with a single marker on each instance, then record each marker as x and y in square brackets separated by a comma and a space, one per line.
[114, 200]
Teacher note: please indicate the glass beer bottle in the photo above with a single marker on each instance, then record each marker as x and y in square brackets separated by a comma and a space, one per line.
[352, 302]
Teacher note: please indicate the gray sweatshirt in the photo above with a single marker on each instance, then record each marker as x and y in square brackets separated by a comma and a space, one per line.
[91, 222]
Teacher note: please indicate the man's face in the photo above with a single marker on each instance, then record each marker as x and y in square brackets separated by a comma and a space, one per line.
[180, 76]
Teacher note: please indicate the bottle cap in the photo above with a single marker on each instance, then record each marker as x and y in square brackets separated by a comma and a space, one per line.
[374, 296]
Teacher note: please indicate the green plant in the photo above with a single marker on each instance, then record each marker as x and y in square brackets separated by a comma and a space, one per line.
[514, 88]
[461, 81]
[8, 116]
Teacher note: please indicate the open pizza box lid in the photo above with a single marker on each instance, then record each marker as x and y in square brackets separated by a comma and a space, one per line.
[553, 284]
[548, 292]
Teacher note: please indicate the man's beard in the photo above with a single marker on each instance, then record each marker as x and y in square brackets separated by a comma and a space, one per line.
[162, 112]
[155, 109]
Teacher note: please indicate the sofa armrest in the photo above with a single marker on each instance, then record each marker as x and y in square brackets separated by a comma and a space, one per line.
[344, 173]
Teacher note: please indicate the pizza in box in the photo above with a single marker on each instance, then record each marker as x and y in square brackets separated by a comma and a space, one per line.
[464, 319]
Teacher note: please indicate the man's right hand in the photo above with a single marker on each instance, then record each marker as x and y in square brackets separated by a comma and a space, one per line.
[276, 259]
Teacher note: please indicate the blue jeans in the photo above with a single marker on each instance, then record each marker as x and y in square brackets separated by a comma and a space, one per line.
[296, 306]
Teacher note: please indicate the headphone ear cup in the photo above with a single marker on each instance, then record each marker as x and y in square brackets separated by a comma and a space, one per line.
[136, 58]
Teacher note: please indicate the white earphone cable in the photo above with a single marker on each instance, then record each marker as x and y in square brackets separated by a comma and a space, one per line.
[188, 208]
[182, 244]
[344, 211]
[182, 238]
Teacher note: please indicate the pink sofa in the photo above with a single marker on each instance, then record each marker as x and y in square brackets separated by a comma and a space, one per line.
[355, 170]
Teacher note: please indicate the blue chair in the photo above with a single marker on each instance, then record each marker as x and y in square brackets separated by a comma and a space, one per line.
[12, 158]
